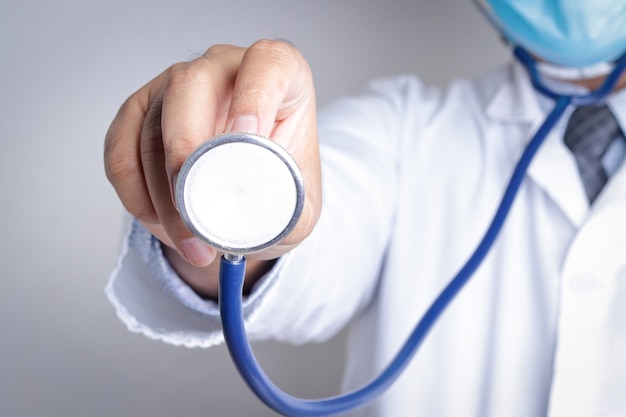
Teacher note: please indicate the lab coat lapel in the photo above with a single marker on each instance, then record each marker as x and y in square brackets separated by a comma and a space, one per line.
[553, 168]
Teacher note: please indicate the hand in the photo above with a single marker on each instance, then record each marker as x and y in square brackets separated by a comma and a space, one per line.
[265, 89]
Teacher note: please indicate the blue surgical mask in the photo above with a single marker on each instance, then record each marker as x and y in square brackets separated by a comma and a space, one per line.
[568, 33]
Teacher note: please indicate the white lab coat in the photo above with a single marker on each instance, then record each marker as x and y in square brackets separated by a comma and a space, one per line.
[412, 177]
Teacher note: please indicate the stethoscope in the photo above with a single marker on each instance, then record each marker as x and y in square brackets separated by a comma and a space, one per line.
[242, 193]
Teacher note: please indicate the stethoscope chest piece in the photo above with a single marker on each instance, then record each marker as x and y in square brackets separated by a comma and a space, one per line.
[240, 193]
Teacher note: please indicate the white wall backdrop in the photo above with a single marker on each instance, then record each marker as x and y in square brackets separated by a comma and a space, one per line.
[65, 67]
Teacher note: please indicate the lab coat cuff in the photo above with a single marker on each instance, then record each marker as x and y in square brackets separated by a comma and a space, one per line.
[150, 297]
[174, 285]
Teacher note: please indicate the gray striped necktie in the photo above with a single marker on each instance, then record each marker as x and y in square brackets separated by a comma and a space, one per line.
[589, 133]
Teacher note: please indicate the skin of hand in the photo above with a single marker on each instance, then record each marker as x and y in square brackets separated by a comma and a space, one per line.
[265, 89]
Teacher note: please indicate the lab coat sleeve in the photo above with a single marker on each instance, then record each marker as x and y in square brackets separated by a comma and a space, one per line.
[150, 298]
[333, 275]
[318, 287]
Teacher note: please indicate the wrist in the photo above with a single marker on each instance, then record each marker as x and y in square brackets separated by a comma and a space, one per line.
[204, 281]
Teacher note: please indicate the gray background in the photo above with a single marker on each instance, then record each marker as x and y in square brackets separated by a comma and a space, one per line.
[66, 66]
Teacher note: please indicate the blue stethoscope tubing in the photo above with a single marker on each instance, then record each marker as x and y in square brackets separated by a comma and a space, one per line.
[232, 273]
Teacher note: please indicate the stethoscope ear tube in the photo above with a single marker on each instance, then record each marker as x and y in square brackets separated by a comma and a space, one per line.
[230, 297]
[233, 270]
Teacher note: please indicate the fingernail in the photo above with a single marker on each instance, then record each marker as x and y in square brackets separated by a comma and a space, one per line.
[245, 124]
[196, 252]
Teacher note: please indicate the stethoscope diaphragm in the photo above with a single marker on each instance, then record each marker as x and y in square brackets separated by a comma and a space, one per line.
[240, 193]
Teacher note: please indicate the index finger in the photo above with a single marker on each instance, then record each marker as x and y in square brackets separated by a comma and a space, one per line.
[195, 104]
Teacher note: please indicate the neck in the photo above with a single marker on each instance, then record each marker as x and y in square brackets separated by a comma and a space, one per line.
[592, 83]
[595, 83]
